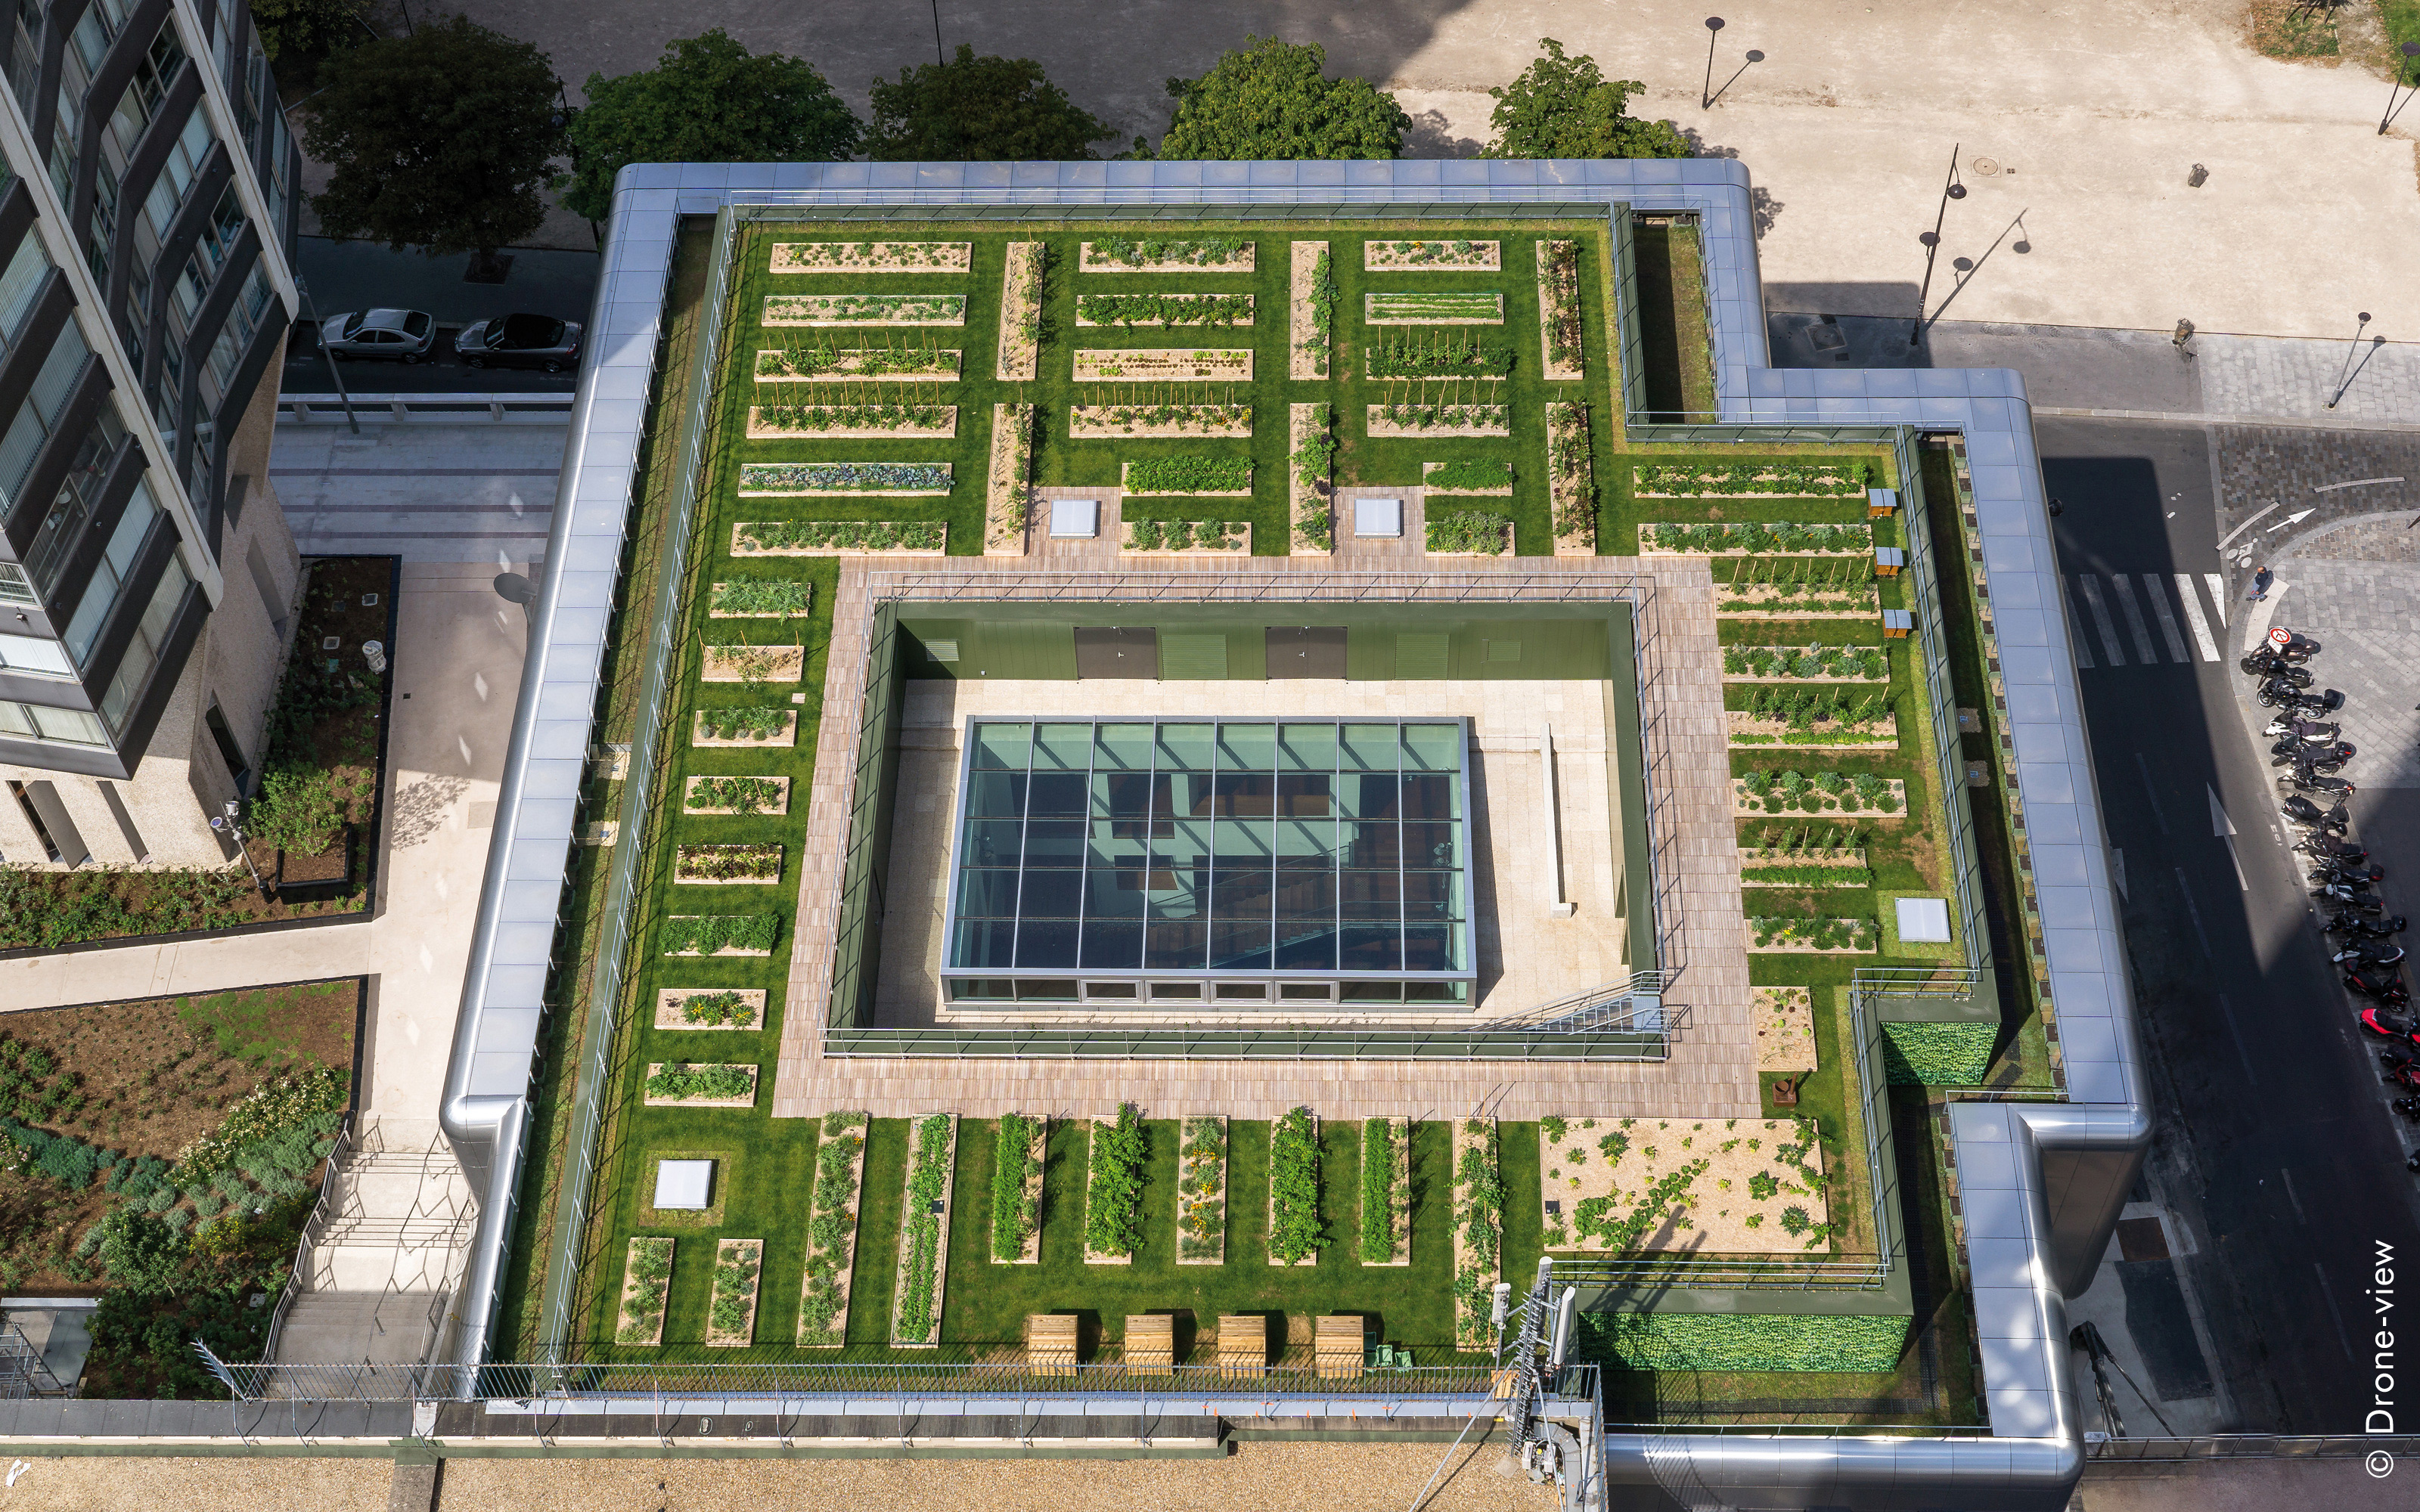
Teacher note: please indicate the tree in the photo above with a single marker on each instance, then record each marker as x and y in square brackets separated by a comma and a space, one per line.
[979, 110]
[708, 99]
[292, 30]
[440, 140]
[142, 1252]
[1562, 107]
[1268, 100]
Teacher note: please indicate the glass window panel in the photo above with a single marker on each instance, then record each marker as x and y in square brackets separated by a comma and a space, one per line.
[1241, 840]
[1431, 748]
[1195, 794]
[1124, 748]
[1062, 747]
[1431, 947]
[1115, 894]
[1432, 845]
[1002, 746]
[1176, 946]
[1049, 945]
[1184, 747]
[1239, 894]
[16, 719]
[1055, 792]
[1107, 850]
[1246, 747]
[1051, 894]
[1431, 895]
[1367, 797]
[994, 794]
[1369, 748]
[1375, 843]
[1185, 895]
[1303, 844]
[1309, 795]
[1436, 992]
[995, 842]
[1241, 946]
[18, 283]
[1370, 895]
[1370, 948]
[71, 725]
[1054, 843]
[1125, 796]
[987, 893]
[1306, 895]
[1307, 748]
[1045, 990]
[1111, 948]
[1308, 945]
[1243, 794]
[1431, 798]
[1370, 992]
[30, 654]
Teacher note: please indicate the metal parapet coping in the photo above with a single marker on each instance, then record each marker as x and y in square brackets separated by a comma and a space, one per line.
[2023, 1238]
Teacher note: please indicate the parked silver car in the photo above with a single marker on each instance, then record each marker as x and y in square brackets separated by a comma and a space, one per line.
[537, 341]
[402, 335]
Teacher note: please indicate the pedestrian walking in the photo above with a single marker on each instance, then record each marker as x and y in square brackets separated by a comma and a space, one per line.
[2261, 578]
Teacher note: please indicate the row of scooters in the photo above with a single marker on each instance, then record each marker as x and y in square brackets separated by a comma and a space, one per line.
[2342, 876]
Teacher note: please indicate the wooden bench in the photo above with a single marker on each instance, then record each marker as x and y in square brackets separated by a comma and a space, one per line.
[1051, 1343]
[1151, 1343]
[1243, 1344]
[1337, 1348]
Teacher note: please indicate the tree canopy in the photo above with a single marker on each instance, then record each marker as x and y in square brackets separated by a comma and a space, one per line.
[1268, 98]
[979, 110]
[440, 140]
[1562, 107]
[708, 99]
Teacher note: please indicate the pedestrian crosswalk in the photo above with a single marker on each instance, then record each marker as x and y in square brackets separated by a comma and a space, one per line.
[2141, 602]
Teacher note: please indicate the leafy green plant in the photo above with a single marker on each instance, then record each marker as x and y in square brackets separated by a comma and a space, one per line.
[1406, 354]
[1293, 1187]
[832, 1229]
[1747, 1341]
[650, 1276]
[706, 934]
[817, 360]
[1189, 474]
[1014, 1210]
[1474, 475]
[743, 722]
[1269, 100]
[1460, 251]
[728, 863]
[739, 794]
[1565, 107]
[1182, 535]
[1484, 533]
[1558, 280]
[1692, 479]
[296, 811]
[1593, 1218]
[1937, 1055]
[1164, 309]
[1436, 306]
[1443, 416]
[681, 1081]
[1202, 1190]
[841, 535]
[1477, 1217]
[1199, 252]
[286, 1113]
[1113, 1190]
[887, 416]
[844, 477]
[786, 596]
[1378, 1191]
[927, 1177]
[899, 309]
[1324, 295]
[715, 1010]
[734, 1304]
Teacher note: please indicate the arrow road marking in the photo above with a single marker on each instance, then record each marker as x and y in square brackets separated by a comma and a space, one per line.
[2223, 829]
[2295, 519]
[2167, 621]
[2193, 616]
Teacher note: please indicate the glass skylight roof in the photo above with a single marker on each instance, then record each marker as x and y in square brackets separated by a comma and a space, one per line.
[1277, 850]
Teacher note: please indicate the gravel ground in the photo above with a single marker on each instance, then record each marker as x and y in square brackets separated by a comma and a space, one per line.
[112, 1483]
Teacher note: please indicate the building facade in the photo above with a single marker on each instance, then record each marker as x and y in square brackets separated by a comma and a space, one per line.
[147, 580]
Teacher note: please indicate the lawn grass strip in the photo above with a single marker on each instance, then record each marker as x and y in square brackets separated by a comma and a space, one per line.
[858, 365]
[1008, 496]
[752, 664]
[840, 538]
[1390, 1185]
[671, 1010]
[1440, 256]
[865, 309]
[1450, 420]
[1020, 312]
[1104, 421]
[1310, 452]
[1785, 1028]
[1305, 1208]
[646, 1283]
[1558, 312]
[779, 803]
[765, 422]
[743, 934]
[834, 1201]
[1121, 256]
[1478, 1230]
[1571, 480]
[873, 257]
[787, 734]
[1683, 1186]
[739, 1266]
[1028, 1180]
[1308, 339]
[1163, 364]
[922, 1279]
[1202, 1190]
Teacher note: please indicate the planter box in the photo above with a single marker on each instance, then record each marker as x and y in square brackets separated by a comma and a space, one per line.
[1845, 804]
[1238, 262]
[1557, 296]
[1086, 323]
[731, 664]
[1506, 552]
[1571, 480]
[1488, 1265]
[1388, 257]
[788, 735]
[846, 369]
[1020, 302]
[902, 1331]
[669, 1002]
[838, 310]
[1378, 425]
[1747, 732]
[1311, 1258]
[1309, 509]
[1237, 530]
[1088, 422]
[689, 796]
[315, 879]
[1245, 492]
[1036, 1148]
[625, 1331]
[738, 1266]
[873, 257]
[1209, 1204]
[1785, 1028]
[738, 549]
[1093, 1129]
[1008, 498]
[1307, 350]
[1779, 945]
[761, 429]
[845, 1197]
[1163, 364]
[1399, 1192]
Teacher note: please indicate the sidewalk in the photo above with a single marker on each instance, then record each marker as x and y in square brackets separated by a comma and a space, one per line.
[357, 275]
[477, 493]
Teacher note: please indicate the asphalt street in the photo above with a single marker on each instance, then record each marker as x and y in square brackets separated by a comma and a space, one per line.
[306, 371]
[2276, 1150]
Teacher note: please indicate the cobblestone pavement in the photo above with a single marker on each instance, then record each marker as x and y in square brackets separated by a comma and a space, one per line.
[2275, 375]
[2268, 473]
[2362, 612]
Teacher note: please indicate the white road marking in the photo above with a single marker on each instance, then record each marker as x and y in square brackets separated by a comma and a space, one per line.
[2075, 635]
[2217, 595]
[2090, 587]
[2193, 617]
[2159, 598]
[2135, 618]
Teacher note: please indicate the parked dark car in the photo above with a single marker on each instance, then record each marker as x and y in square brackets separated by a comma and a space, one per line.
[521, 341]
[403, 335]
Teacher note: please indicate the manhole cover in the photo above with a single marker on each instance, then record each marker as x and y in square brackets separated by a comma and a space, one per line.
[1987, 166]
[1827, 338]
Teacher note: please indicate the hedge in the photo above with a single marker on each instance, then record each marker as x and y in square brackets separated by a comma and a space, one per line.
[1938, 1055]
[1744, 1341]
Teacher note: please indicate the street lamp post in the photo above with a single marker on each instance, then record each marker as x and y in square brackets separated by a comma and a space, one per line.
[2344, 373]
[312, 309]
[227, 821]
[936, 35]
[1950, 190]
[2410, 51]
[1705, 91]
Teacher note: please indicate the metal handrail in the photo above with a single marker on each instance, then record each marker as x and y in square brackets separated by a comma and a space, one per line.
[428, 409]
[304, 1244]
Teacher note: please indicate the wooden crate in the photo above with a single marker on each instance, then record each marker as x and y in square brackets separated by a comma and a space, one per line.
[1243, 1344]
[1051, 1343]
[1151, 1343]
[1338, 1348]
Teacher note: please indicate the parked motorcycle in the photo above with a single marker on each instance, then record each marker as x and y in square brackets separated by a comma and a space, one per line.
[2265, 664]
[2383, 986]
[2301, 728]
[2328, 848]
[2408, 1106]
[2310, 780]
[2277, 693]
[2354, 903]
[2303, 812]
[2354, 927]
[2387, 1024]
[2322, 754]
[2364, 953]
[2351, 873]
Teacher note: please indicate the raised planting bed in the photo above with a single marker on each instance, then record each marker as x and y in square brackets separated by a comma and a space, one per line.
[785, 480]
[1440, 420]
[1312, 311]
[1202, 1192]
[1020, 311]
[1016, 1189]
[873, 257]
[1757, 538]
[1164, 364]
[752, 664]
[1457, 256]
[646, 1282]
[711, 1008]
[1163, 310]
[1207, 254]
[832, 1231]
[865, 309]
[1480, 307]
[924, 1233]
[730, 1309]
[1213, 477]
[735, 795]
[840, 537]
[1186, 537]
[1437, 354]
[1748, 731]
[1814, 662]
[1787, 869]
[824, 362]
[1479, 475]
[728, 865]
[1468, 536]
[1478, 1230]
[1310, 460]
[1795, 601]
[719, 934]
[1752, 480]
[1113, 1178]
[1008, 493]
[1295, 1238]
[1696, 1186]
[1820, 792]
[761, 599]
[1561, 333]
[1108, 421]
[850, 421]
[1785, 1028]
[1812, 936]
[745, 727]
[1387, 1192]
[1812, 713]
[1571, 480]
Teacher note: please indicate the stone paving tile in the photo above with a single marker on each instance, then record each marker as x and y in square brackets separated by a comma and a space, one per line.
[2267, 473]
[2288, 376]
[2362, 612]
